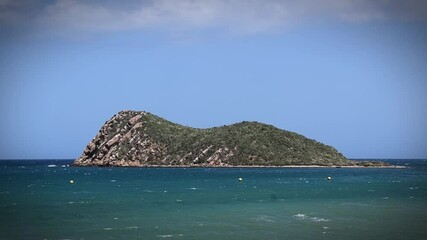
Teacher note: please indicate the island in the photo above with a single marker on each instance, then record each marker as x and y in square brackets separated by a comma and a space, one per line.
[142, 139]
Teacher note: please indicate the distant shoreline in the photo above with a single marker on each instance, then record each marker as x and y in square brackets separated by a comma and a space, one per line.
[240, 166]
[218, 166]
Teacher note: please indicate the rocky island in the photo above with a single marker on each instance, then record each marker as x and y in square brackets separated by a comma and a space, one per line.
[141, 139]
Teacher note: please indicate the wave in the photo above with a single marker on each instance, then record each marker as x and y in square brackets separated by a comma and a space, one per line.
[170, 235]
[303, 216]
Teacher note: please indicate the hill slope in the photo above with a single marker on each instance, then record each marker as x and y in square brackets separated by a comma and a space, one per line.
[132, 138]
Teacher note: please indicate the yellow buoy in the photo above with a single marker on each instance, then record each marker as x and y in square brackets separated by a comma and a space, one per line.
[71, 181]
[329, 178]
[240, 179]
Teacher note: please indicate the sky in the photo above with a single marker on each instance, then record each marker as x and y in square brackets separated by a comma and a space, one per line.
[350, 74]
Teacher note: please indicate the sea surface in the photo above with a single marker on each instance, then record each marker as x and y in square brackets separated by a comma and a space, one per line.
[46, 199]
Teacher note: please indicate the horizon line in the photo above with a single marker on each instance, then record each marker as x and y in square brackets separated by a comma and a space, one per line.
[52, 159]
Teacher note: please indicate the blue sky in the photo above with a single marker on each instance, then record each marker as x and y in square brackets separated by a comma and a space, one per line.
[351, 74]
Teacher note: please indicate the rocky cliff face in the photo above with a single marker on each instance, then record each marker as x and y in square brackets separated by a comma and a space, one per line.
[122, 142]
[132, 138]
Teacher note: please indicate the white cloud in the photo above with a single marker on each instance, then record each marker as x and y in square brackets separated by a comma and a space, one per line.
[245, 16]
[241, 16]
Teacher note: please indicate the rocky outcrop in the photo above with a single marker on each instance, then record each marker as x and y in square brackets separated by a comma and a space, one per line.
[120, 143]
[132, 138]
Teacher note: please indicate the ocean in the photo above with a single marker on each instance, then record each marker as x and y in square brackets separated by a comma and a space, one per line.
[47, 199]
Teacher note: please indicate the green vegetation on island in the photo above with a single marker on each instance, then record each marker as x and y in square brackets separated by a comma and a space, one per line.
[132, 138]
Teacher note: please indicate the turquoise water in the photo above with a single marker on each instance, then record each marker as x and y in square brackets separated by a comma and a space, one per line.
[39, 202]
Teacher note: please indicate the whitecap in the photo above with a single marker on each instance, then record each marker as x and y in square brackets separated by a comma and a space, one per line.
[165, 236]
[317, 219]
[108, 229]
[300, 215]
[192, 188]
[51, 165]
[314, 219]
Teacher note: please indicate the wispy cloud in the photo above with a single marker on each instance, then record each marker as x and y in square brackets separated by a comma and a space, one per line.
[240, 16]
